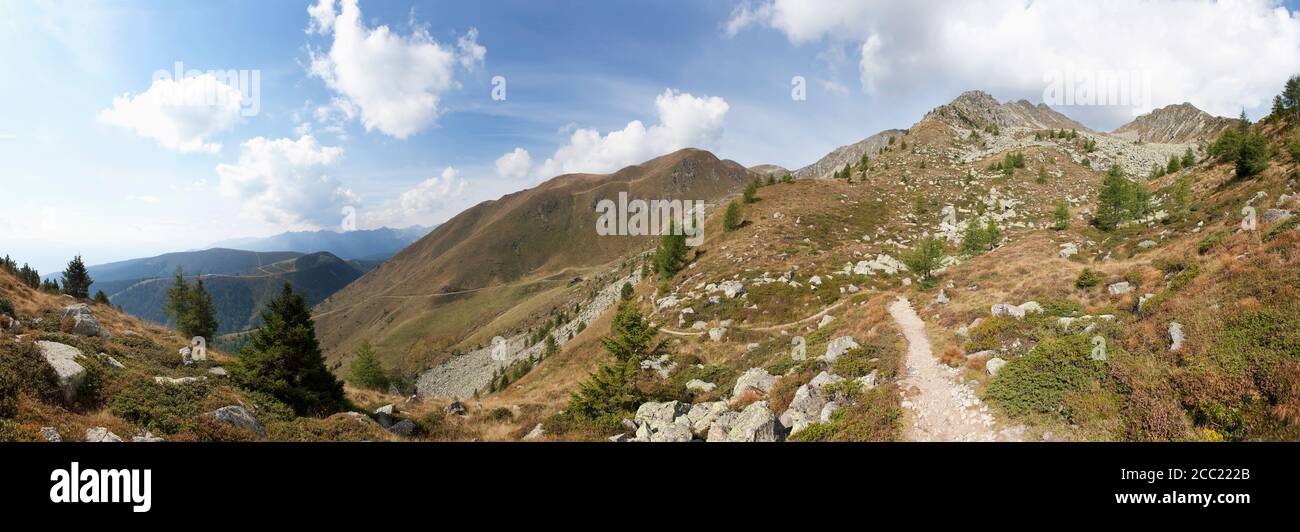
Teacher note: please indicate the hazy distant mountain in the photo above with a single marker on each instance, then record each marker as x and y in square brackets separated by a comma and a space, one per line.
[208, 261]
[362, 244]
[240, 296]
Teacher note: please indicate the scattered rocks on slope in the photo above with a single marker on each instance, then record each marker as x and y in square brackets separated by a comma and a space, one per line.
[805, 408]
[697, 385]
[1122, 287]
[1176, 336]
[457, 408]
[994, 365]
[404, 428]
[51, 434]
[536, 433]
[754, 378]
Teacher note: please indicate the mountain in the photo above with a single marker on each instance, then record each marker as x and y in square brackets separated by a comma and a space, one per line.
[371, 244]
[979, 110]
[480, 272]
[238, 297]
[850, 154]
[769, 170]
[1176, 124]
[208, 261]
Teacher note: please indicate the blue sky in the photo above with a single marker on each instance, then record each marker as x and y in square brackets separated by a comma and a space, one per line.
[400, 123]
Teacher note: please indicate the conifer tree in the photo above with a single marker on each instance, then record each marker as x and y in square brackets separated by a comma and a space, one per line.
[76, 280]
[283, 359]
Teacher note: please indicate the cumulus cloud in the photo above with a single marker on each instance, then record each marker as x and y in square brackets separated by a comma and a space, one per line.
[284, 182]
[395, 81]
[684, 121]
[433, 192]
[515, 164]
[1221, 56]
[180, 114]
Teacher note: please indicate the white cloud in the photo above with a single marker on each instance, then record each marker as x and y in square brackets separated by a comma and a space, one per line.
[684, 121]
[433, 192]
[515, 164]
[394, 81]
[470, 53]
[180, 114]
[283, 181]
[1221, 56]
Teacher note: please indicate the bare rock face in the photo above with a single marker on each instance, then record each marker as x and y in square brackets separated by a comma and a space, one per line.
[978, 110]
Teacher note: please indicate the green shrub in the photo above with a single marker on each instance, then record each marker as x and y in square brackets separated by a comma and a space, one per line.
[856, 362]
[6, 306]
[731, 218]
[1037, 382]
[23, 367]
[1062, 308]
[11, 431]
[1204, 246]
[366, 370]
[8, 394]
[1087, 279]
[161, 408]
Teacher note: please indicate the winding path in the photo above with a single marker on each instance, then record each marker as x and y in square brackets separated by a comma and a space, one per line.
[945, 409]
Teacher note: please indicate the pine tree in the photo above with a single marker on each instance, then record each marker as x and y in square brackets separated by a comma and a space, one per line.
[731, 218]
[176, 306]
[101, 298]
[626, 292]
[1175, 164]
[1291, 95]
[992, 234]
[1062, 216]
[1042, 175]
[632, 336]
[1189, 158]
[670, 257]
[283, 358]
[1182, 195]
[751, 190]
[366, 370]
[202, 319]
[973, 241]
[925, 257]
[76, 280]
[551, 347]
[1279, 108]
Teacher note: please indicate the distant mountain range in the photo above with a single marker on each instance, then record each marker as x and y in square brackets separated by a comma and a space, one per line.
[241, 282]
[369, 244]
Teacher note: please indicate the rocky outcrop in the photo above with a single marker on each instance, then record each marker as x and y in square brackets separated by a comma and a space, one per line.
[978, 110]
[101, 435]
[838, 347]
[78, 319]
[756, 379]
[1175, 124]
[755, 423]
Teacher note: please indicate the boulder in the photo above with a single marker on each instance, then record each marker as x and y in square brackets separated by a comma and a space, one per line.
[826, 320]
[187, 356]
[994, 365]
[83, 320]
[731, 288]
[697, 385]
[237, 416]
[536, 433]
[677, 431]
[63, 358]
[656, 414]
[175, 381]
[457, 408]
[868, 381]
[146, 437]
[404, 428]
[717, 333]
[1030, 307]
[838, 347]
[755, 378]
[805, 408]
[51, 434]
[824, 379]
[942, 298]
[101, 435]
[384, 415]
[1006, 309]
[828, 411]
[1176, 336]
[720, 429]
[1275, 215]
[754, 424]
[1069, 249]
[218, 371]
[703, 415]
[1122, 287]
[798, 348]
[1147, 244]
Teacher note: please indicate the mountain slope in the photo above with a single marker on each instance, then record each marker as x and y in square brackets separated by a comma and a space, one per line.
[1180, 123]
[361, 244]
[208, 261]
[524, 247]
[239, 297]
[849, 154]
[979, 110]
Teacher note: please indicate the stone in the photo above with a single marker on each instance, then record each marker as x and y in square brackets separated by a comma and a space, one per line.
[457, 408]
[828, 411]
[868, 381]
[175, 381]
[1147, 244]
[84, 322]
[994, 365]
[755, 423]
[838, 347]
[720, 429]
[218, 371]
[942, 298]
[617, 438]
[536, 433]
[798, 348]
[237, 416]
[826, 320]
[731, 288]
[660, 413]
[1122, 287]
[703, 415]
[384, 415]
[697, 385]
[824, 379]
[1176, 336]
[805, 408]
[1005, 309]
[678, 431]
[1068, 250]
[51, 434]
[1030, 307]
[754, 378]
[101, 435]
[63, 358]
[1275, 215]
[404, 428]
[717, 333]
[187, 357]
[146, 437]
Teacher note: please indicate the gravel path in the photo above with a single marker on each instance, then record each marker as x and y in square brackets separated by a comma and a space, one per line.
[945, 409]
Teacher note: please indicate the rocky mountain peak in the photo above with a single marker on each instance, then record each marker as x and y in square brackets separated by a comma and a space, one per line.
[979, 110]
[1175, 124]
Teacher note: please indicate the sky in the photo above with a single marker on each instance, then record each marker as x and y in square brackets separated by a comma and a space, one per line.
[129, 129]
